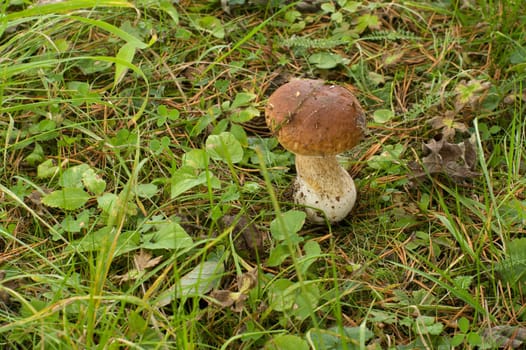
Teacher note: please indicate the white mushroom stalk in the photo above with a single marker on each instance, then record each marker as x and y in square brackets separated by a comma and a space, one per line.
[324, 188]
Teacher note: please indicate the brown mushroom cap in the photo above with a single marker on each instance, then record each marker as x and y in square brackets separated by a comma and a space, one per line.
[312, 118]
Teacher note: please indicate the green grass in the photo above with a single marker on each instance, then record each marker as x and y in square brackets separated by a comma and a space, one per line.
[144, 204]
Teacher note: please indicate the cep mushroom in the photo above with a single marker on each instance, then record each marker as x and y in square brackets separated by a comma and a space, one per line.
[316, 122]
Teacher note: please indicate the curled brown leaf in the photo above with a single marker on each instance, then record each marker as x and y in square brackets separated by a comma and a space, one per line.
[440, 156]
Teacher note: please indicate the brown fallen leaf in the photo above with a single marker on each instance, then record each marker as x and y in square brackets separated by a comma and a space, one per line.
[505, 337]
[447, 125]
[471, 93]
[248, 240]
[236, 300]
[456, 160]
[6, 302]
[142, 261]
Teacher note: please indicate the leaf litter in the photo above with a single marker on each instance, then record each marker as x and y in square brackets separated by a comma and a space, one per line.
[236, 300]
[142, 261]
[442, 156]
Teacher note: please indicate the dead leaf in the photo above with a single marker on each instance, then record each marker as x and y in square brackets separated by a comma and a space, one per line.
[6, 302]
[447, 125]
[197, 282]
[249, 242]
[247, 281]
[142, 261]
[456, 160]
[471, 93]
[505, 337]
[236, 300]
[4, 296]
[223, 297]
[392, 58]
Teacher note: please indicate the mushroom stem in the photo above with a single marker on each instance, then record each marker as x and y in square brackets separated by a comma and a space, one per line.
[322, 183]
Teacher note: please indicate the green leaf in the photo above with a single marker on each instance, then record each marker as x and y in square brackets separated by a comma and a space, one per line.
[427, 325]
[224, 147]
[307, 299]
[95, 240]
[72, 224]
[286, 226]
[66, 199]
[116, 206]
[197, 282]
[124, 35]
[367, 21]
[240, 134]
[382, 316]
[124, 138]
[201, 279]
[517, 250]
[328, 7]
[212, 25]
[281, 296]
[170, 235]
[36, 156]
[312, 252]
[106, 201]
[146, 190]
[382, 116]
[326, 60]
[64, 6]
[286, 342]
[168, 7]
[90, 66]
[388, 160]
[337, 17]
[244, 115]
[72, 177]
[242, 99]
[474, 339]
[278, 254]
[47, 169]
[334, 338]
[159, 145]
[518, 55]
[457, 339]
[126, 53]
[82, 93]
[463, 282]
[512, 269]
[350, 6]
[184, 179]
[195, 158]
[93, 182]
[463, 324]
[166, 114]
[136, 322]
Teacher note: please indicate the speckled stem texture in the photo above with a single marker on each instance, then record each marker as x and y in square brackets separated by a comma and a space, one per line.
[324, 184]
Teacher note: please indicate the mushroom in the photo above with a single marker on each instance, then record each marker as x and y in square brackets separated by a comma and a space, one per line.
[316, 122]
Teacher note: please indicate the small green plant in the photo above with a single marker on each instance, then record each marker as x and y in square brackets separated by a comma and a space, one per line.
[466, 337]
[294, 299]
[512, 269]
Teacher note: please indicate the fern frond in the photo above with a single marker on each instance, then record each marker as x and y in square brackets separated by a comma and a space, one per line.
[308, 43]
[391, 35]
